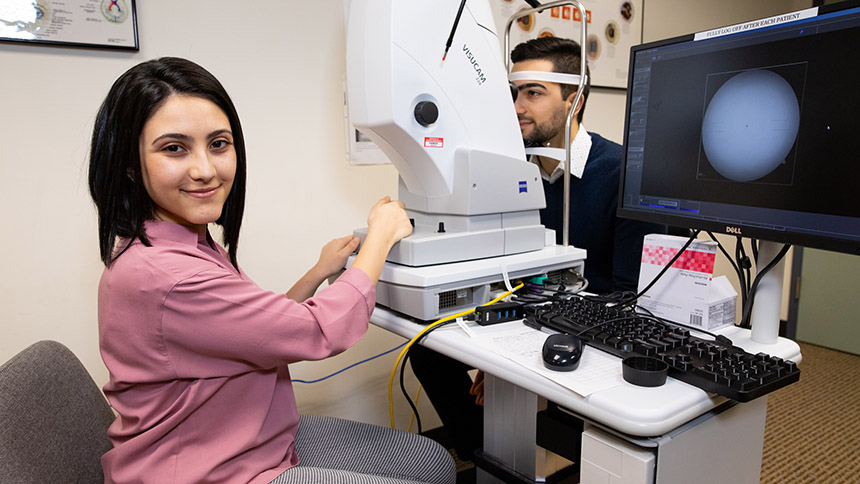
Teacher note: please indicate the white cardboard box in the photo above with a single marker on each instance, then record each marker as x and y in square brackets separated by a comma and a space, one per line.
[610, 460]
[688, 293]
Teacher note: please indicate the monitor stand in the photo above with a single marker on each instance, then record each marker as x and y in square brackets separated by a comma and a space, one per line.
[768, 297]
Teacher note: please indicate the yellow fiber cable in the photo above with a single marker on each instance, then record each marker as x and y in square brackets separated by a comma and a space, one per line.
[420, 334]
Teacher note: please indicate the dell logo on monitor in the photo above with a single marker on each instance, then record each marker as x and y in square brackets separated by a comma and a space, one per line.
[733, 230]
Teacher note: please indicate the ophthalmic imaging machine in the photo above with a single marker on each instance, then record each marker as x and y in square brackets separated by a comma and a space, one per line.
[427, 82]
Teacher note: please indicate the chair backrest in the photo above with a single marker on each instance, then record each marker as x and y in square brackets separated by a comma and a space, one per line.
[53, 418]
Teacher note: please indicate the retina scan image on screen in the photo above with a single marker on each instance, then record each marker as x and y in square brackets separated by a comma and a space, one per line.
[750, 125]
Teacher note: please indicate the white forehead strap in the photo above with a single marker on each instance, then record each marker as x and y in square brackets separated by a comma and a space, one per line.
[556, 77]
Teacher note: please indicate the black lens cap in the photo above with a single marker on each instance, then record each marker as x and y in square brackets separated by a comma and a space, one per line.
[644, 371]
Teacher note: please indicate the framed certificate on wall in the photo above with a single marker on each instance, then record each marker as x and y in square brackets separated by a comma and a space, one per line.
[100, 24]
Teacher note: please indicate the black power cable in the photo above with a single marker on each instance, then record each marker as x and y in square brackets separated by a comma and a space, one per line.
[737, 269]
[406, 394]
[632, 300]
[747, 312]
[403, 368]
[744, 264]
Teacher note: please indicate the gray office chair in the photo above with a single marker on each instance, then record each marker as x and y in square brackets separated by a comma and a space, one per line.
[54, 421]
[53, 418]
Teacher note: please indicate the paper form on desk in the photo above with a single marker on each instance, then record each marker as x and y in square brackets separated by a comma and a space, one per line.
[523, 345]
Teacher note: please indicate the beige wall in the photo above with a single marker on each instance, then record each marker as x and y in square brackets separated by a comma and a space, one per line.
[285, 78]
[285, 75]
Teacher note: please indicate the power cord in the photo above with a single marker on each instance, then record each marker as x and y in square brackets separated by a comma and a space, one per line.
[412, 405]
[415, 415]
[630, 301]
[747, 312]
[742, 264]
[737, 269]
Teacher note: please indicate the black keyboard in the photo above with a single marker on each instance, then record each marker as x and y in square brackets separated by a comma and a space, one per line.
[713, 365]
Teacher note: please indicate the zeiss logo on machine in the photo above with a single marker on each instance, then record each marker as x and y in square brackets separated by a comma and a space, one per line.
[524, 188]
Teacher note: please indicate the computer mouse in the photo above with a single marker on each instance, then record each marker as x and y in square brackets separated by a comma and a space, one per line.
[561, 352]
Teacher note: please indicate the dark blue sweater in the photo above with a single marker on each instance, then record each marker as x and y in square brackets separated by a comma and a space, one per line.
[614, 245]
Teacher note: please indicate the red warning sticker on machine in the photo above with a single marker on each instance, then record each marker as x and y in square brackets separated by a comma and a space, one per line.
[433, 142]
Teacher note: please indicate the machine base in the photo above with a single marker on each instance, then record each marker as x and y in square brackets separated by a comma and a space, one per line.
[432, 292]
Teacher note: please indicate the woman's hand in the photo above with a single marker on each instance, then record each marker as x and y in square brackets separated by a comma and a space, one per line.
[478, 388]
[388, 220]
[334, 254]
[386, 225]
[332, 259]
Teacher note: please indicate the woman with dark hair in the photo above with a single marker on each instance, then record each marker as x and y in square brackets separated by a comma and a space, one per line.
[115, 169]
[198, 354]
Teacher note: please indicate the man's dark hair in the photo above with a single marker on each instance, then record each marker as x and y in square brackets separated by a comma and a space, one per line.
[115, 177]
[565, 57]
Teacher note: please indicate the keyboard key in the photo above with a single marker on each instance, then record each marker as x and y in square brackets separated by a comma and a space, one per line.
[708, 375]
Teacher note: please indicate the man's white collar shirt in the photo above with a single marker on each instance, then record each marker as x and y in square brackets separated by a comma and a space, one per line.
[580, 147]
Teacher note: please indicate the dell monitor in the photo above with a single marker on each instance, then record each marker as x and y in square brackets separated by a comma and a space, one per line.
[750, 130]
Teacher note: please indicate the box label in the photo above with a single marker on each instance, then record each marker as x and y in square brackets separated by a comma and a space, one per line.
[686, 292]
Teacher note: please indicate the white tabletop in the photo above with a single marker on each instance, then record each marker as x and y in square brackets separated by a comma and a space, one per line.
[620, 405]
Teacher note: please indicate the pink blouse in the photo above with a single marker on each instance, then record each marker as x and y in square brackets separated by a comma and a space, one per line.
[198, 357]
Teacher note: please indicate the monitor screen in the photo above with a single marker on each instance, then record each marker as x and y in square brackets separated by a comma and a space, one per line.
[749, 131]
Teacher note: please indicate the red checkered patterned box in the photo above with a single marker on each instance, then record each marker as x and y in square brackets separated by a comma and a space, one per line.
[687, 293]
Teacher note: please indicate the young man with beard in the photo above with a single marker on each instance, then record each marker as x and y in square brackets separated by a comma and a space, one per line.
[614, 245]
